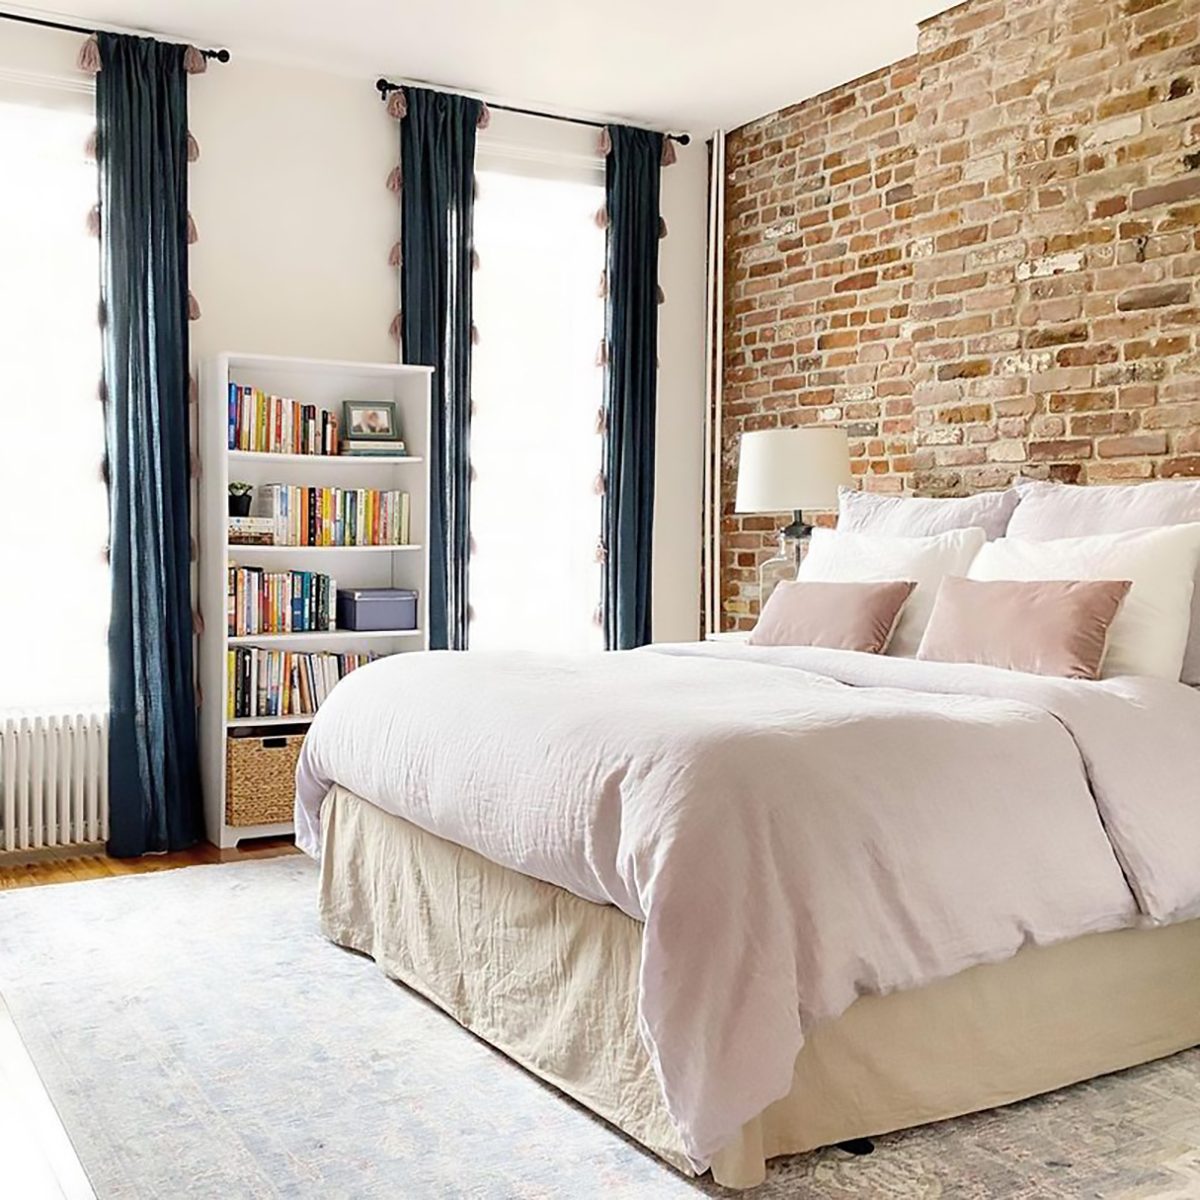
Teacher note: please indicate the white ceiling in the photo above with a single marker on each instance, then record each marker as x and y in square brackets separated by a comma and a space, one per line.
[679, 64]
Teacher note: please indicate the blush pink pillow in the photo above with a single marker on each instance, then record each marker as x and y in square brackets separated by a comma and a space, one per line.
[835, 616]
[1044, 627]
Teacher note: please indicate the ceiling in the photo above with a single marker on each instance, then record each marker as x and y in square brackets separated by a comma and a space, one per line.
[678, 64]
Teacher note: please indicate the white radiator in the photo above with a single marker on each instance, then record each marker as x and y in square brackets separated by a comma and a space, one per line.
[53, 779]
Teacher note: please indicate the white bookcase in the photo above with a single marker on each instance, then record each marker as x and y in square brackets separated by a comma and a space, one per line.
[326, 385]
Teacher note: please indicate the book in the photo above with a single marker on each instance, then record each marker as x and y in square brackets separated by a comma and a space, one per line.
[329, 516]
[367, 447]
[275, 425]
[279, 683]
[260, 601]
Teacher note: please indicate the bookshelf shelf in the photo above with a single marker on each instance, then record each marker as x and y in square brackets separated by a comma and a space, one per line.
[324, 386]
[236, 548]
[317, 636]
[340, 460]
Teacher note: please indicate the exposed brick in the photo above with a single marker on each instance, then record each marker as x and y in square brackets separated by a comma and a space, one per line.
[1167, 193]
[1159, 296]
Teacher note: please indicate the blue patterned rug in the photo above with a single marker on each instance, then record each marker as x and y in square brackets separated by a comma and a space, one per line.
[201, 1039]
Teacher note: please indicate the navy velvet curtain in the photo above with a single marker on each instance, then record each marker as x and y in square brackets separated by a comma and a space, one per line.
[437, 159]
[153, 768]
[631, 329]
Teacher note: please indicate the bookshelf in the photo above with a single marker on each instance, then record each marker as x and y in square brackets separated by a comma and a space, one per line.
[325, 384]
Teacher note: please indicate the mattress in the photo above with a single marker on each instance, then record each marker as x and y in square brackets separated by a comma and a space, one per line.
[551, 980]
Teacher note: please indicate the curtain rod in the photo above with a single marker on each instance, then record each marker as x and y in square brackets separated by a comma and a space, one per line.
[46, 23]
[385, 87]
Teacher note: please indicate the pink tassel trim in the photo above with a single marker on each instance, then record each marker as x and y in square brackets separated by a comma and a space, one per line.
[397, 105]
[193, 390]
[598, 615]
[604, 142]
[473, 474]
[91, 148]
[601, 551]
[474, 334]
[474, 260]
[598, 484]
[192, 236]
[105, 554]
[197, 622]
[601, 217]
[602, 288]
[194, 62]
[485, 117]
[104, 470]
[102, 391]
[89, 57]
[395, 179]
[193, 148]
[668, 152]
[193, 308]
[662, 228]
[93, 221]
[394, 255]
[602, 353]
[474, 187]
[396, 328]
[660, 295]
[601, 421]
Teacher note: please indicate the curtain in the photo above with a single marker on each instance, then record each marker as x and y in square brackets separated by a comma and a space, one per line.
[437, 158]
[631, 334]
[153, 768]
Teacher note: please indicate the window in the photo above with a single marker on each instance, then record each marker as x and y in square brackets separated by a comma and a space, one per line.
[54, 593]
[535, 512]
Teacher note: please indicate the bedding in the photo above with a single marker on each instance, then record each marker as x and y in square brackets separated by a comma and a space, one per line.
[1045, 627]
[1150, 632]
[838, 616]
[1056, 510]
[794, 827]
[921, 516]
[835, 556]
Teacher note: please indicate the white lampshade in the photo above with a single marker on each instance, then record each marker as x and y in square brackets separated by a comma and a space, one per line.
[784, 470]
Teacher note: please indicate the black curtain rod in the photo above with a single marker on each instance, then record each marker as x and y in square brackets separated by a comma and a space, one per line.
[45, 23]
[385, 87]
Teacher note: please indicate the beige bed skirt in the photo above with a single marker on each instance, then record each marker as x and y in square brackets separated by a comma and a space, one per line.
[551, 980]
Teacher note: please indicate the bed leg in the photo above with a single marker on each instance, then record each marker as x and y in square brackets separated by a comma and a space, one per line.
[857, 1146]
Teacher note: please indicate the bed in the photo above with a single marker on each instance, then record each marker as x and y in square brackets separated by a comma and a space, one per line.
[745, 901]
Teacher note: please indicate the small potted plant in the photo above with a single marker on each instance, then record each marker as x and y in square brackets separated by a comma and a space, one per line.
[240, 496]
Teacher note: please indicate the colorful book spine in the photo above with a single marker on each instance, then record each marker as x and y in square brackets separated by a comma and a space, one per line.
[281, 683]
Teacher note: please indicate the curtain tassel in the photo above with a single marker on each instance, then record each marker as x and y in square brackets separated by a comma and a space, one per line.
[602, 288]
[89, 57]
[395, 179]
[659, 295]
[93, 221]
[397, 105]
[394, 255]
[91, 148]
[604, 142]
[485, 117]
[601, 217]
[598, 615]
[598, 484]
[396, 327]
[193, 148]
[662, 228]
[104, 470]
[668, 152]
[601, 551]
[602, 353]
[474, 260]
[102, 391]
[197, 622]
[193, 308]
[193, 390]
[474, 334]
[601, 421]
[194, 63]
[192, 236]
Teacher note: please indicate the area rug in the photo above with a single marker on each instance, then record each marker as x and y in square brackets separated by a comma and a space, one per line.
[199, 1038]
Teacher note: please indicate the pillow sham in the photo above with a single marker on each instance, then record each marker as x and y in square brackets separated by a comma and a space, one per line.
[1058, 510]
[836, 616]
[1049, 627]
[838, 557]
[919, 516]
[1150, 632]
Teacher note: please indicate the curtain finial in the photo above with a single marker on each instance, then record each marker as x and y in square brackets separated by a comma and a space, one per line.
[397, 105]
[89, 57]
[194, 62]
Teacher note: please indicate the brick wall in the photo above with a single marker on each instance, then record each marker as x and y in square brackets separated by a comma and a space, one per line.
[982, 261]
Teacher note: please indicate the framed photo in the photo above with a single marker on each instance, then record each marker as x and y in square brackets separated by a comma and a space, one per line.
[368, 419]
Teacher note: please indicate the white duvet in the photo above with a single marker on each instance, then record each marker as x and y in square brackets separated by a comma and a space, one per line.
[796, 828]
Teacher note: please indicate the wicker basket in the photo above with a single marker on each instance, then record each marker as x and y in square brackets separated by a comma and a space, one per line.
[260, 779]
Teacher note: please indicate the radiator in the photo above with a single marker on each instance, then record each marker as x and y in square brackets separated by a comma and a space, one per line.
[53, 779]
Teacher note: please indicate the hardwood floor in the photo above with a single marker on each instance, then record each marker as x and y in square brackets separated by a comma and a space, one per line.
[38, 1160]
[17, 873]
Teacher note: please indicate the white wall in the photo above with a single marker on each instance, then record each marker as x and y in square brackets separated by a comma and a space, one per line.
[295, 225]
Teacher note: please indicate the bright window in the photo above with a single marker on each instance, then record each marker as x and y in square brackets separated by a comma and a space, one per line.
[535, 513]
[54, 592]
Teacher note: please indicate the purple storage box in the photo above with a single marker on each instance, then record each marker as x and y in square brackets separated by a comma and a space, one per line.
[376, 608]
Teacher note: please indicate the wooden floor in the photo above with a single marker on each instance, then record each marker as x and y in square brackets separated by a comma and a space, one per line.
[37, 1160]
[18, 873]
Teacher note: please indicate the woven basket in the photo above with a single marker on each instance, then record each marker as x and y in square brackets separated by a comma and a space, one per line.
[260, 779]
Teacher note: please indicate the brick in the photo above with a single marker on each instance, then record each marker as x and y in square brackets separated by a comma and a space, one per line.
[1127, 447]
[1161, 295]
[1167, 193]
[1180, 466]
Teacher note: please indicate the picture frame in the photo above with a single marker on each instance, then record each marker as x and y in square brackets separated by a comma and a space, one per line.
[369, 420]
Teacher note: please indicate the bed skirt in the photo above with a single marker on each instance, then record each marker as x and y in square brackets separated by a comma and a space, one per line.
[551, 980]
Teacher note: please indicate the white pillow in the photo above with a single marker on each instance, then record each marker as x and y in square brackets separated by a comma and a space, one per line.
[1150, 632]
[919, 516]
[839, 557]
